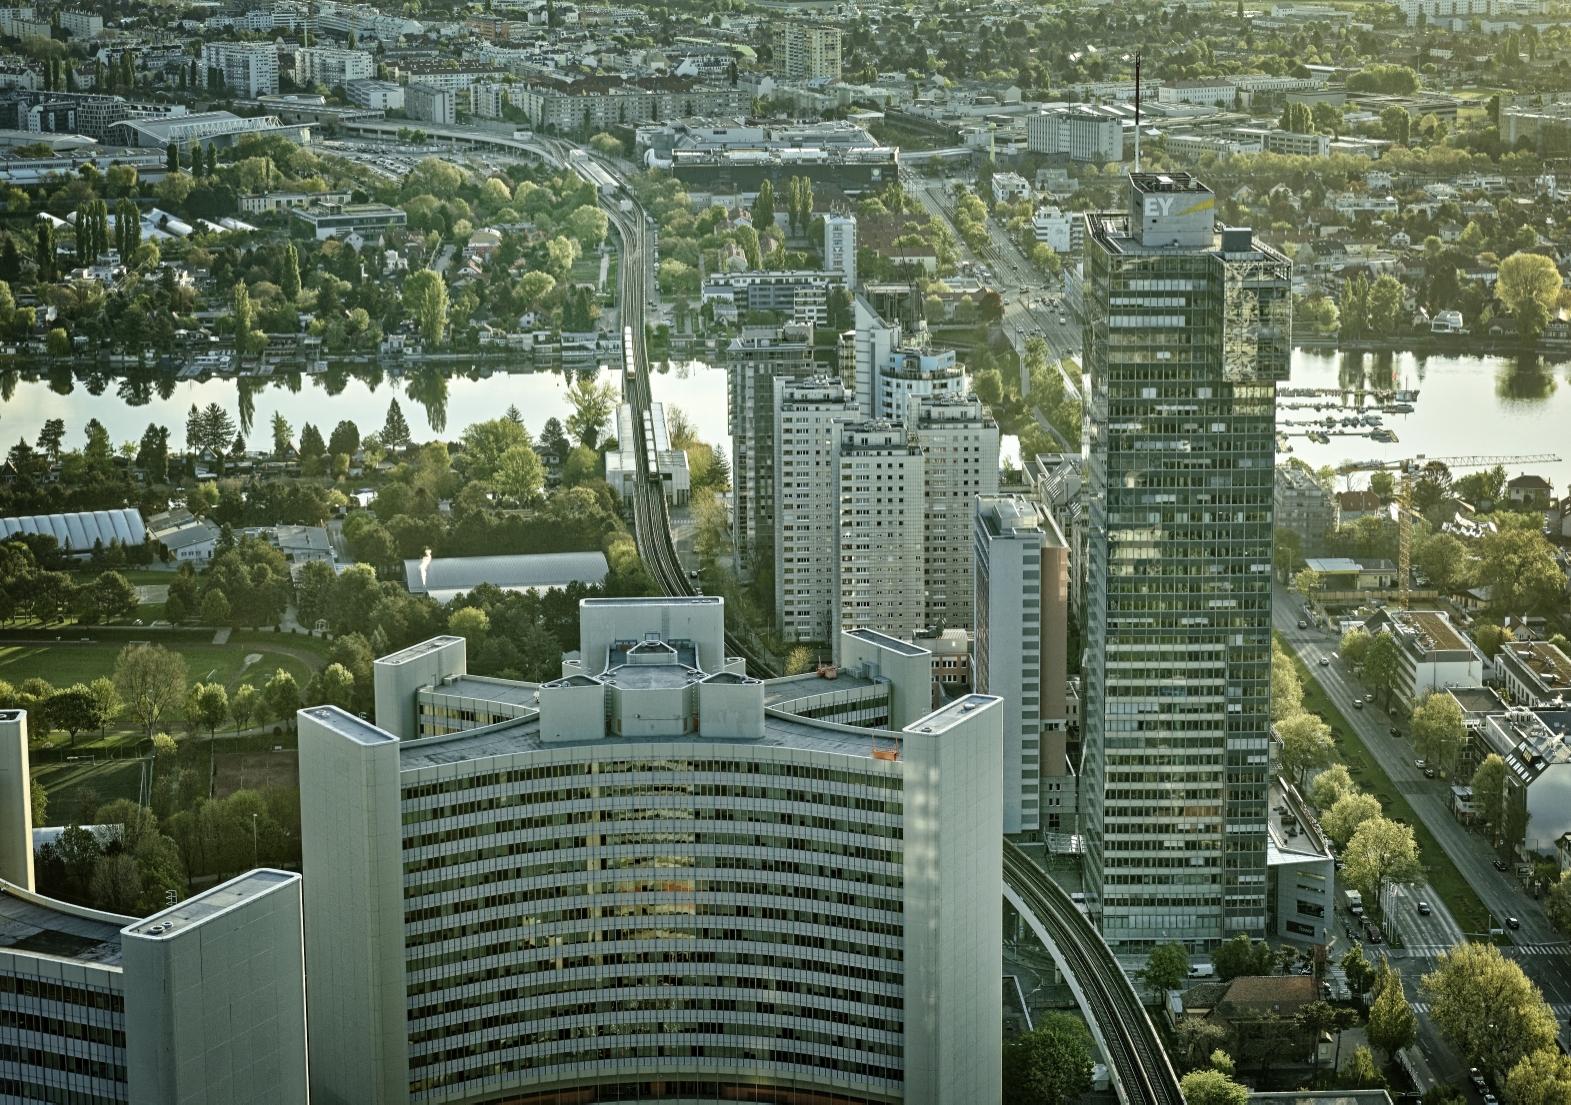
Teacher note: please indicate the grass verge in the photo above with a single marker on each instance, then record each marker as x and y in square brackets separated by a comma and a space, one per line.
[1444, 877]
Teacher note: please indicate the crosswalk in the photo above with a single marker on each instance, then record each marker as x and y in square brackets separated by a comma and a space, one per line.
[1563, 1011]
[1553, 948]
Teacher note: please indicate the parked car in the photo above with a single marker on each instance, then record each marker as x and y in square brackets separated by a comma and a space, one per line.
[1477, 1077]
[1429, 773]
[1369, 698]
[1500, 865]
[1423, 909]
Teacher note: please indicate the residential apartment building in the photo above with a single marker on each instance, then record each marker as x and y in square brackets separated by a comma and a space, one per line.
[245, 69]
[878, 481]
[383, 95]
[892, 368]
[474, 959]
[1187, 333]
[753, 361]
[332, 67]
[431, 104]
[486, 99]
[82, 24]
[1083, 131]
[1022, 622]
[800, 294]
[808, 523]
[1307, 507]
[959, 443]
[803, 51]
[840, 247]
[594, 103]
[1062, 230]
[203, 1001]
[1535, 673]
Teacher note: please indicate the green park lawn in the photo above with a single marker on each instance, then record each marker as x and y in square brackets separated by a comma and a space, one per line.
[110, 778]
[63, 665]
[1447, 881]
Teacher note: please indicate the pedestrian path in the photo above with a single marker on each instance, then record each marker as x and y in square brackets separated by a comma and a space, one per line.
[1562, 1010]
[1554, 948]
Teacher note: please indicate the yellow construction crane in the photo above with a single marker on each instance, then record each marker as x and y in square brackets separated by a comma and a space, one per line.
[1409, 469]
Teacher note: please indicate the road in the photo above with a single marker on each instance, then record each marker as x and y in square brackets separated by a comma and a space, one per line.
[1540, 948]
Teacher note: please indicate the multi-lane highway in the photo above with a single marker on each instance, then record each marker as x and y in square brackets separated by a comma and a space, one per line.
[1141, 1071]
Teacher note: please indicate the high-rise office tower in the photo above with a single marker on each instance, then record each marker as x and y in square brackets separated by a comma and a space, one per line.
[1187, 332]
[878, 491]
[805, 50]
[840, 247]
[752, 362]
[1022, 616]
[959, 443]
[809, 513]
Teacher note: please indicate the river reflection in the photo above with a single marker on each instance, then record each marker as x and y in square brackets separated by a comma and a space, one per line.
[127, 400]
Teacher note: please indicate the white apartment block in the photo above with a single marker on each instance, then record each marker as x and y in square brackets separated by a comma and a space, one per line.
[485, 100]
[378, 95]
[840, 247]
[1022, 611]
[890, 371]
[431, 105]
[332, 67]
[1084, 133]
[878, 486]
[807, 509]
[1054, 227]
[249, 69]
[804, 51]
[82, 24]
[959, 443]
[480, 949]
[1011, 187]
[1465, 9]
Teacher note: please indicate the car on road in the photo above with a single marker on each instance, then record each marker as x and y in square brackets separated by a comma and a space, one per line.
[1358, 703]
[1429, 773]
[1302, 624]
[1395, 732]
[1420, 763]
[1477, 1078]
[1513, 923]
[1063, 321]
[1372, 933]
[1489, 1098]
[1369, 698]
[1500, 865]
[1423, 909]
[1325, 661]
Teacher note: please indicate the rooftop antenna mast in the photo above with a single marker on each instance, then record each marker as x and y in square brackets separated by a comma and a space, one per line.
[1137, 113]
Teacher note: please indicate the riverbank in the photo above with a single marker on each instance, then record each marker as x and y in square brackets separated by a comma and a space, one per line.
[1449, 345]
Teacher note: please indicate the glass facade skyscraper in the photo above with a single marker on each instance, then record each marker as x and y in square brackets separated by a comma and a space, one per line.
[1188, 330]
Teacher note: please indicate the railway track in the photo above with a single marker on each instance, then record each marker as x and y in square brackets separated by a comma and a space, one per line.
[1140, 1066]
[651, 514]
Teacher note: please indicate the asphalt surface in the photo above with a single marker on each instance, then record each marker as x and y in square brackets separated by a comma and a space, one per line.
[1542, 950]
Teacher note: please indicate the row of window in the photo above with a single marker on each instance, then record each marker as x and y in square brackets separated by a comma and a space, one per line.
[808, 1013]
[793, 938]
[71, 1029]
[723, 840]
[495, 875]
[56, 1095]
[603, 892]
[49, 990]
[601, 1056]
[655, 813]
[597, 963]
[618, 767]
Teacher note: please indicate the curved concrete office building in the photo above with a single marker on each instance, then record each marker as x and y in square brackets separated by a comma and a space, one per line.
[641, 882]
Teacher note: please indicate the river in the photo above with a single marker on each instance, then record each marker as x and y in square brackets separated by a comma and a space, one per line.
[434, 404]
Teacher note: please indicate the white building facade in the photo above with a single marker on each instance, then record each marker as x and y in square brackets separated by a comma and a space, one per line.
[248, 69]
[840, 246]
[879, 479]
[959, 443]
[808, 511]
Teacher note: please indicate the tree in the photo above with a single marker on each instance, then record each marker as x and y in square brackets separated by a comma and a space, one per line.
[1331, 786]
[72, 709]
[1211, 1087]
[283, 435]
[1518, 565]
[1557, 903]
[1540, 1078]
[335, 686]
[281, 696]
[395, 431]
[1438, 729]
[1316, 1018]
[1443, 559]
[114, 595]
[1489, 637]
[592, 405]
[1306, 583]
[1383, 662]
[151, 680]
[1297, 119]
[51, 439]
[472, 624]
[1306, 744]
[1489, 792]
[345, 439]
[289, 275]
[1381, 853]
[44, 255]
[107, 697]
[991, 306]
[1385, 300]
[212, 706]
[1287, 693]
[1397, 124]
[1485, 1007]
[1361, 1072]
[1050, 1065]
[244, 705]
[1529, 284]
[1239, 957]
[1355, 645]
[519, 474]
[763, 213]
[1357, 969]
[1344, 817]
[1167, 967]
[485, 442]
[215, 608]
[425, 296]
[588, 224]
[1392, 1025]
